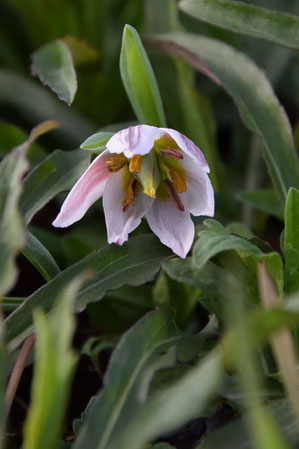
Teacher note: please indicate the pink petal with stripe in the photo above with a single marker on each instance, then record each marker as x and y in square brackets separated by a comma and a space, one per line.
[86, 191]
[133, 140]
[188, 147]
[174, 228]
[199, 197]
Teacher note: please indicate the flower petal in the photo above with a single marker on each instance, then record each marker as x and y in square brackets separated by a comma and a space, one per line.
[118, 223]
[174, 228]
[199, 197]
[188, 147]
[133, 140]
[85, 192]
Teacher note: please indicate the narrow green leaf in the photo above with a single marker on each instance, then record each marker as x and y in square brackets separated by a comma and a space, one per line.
[174, 405]
[291, 242]
[265, 200]
[134, 263]
[40, 257]
[244, 18]
[142, 351]
[9, 304]
[54, 365]
[236, 434]
[139, 80]
[211, 243]
[53, 64]
[96, 142]
[57, 173]
[12, 232]
[259, 107]
[2, 380]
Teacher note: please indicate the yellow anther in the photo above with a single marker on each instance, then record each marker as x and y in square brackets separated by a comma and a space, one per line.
[116, 162]
[135, 163]
[178, 179]
[130, 194]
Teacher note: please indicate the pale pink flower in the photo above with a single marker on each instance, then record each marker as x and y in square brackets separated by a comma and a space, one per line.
[145, 171]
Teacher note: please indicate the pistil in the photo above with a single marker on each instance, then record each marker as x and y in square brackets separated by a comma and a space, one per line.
[173, 195]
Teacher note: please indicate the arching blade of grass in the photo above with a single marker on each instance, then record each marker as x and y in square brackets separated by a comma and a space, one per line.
[245, 18]
[252, 93]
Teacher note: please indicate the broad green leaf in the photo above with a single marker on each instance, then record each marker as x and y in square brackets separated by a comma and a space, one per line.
[211, 243]
[12, 232]
[96, 142]
[142, 351]
[40, 257]
[265, 200]
[212, 279]
[291, 241]
[2, 380]
[134, 263]
[174, 405]
[139, 80]
[244, 18]
[59, 172]
[53, 64]
[54, 366]
[259, 107]
[236, 434]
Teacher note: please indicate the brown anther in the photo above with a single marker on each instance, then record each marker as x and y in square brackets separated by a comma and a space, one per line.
[130, 194]
[116, 162]
[172, 152]
[172, 193]
[178, 179]
[135, 163]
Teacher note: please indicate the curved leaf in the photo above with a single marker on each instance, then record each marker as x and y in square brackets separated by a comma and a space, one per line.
[56, 174]
[96, 142]
[291, 241]
[40, 257]
[141, 351]
[54, 366]
[174, 405]
[244, 18]
[12, 232]
[134, 263]
[251, 92]
[211, 243]
[139, 80]
[53, 64]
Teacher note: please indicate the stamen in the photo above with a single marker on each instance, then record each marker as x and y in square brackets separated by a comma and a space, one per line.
[116, 162]
[172, 193]
[130, 194]
[178, 179]
[172, 152]
[135, 163]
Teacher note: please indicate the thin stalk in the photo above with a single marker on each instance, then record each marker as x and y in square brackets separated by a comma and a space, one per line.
[282, 341]
[17, 371]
